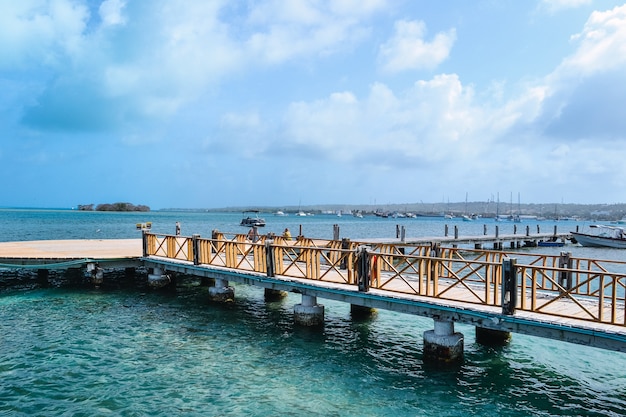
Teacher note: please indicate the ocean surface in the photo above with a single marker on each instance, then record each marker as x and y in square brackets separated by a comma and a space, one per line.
[90, 352]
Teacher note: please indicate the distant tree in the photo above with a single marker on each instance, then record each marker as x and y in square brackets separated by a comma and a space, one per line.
[121, 207]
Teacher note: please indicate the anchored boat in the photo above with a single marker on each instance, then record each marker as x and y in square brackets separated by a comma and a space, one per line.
[606, 237]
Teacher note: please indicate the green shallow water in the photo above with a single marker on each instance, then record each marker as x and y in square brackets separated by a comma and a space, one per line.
[87, 353]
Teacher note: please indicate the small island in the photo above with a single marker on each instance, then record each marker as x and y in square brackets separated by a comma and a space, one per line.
[113, 207]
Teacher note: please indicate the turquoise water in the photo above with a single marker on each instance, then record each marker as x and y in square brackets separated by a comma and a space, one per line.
[88, 352]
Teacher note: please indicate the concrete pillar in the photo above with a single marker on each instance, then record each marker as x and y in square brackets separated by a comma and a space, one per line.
[490, 337]
[221, 291]
[97, 274]
[361, 312]
[274, 295]
[157, 279]
[442, 344]
[308, 313]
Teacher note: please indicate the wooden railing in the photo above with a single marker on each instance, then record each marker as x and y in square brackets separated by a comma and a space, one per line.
[556, 285]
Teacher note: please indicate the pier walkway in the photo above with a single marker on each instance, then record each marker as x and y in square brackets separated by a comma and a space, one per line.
[554, 296]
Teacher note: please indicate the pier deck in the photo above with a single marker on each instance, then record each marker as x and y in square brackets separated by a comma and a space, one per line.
[575, 300]
[509, 237]
[43, 252]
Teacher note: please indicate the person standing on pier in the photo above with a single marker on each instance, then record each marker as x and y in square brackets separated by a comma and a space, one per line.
[253, 234]
[287, 234]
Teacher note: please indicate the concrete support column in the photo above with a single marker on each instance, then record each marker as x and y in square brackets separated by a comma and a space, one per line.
[97, 274]
[308, 313]
[274, 295]
[442, 344]
[157, 279]
[221, 291]
[490, 337]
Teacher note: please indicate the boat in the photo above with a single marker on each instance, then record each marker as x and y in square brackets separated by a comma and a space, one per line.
[606, 237]
[550, 243]
[252, 221]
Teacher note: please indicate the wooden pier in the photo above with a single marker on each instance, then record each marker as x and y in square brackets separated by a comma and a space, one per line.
[560, 297]
[521, 237]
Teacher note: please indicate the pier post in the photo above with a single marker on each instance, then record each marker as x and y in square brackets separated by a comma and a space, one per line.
[97, 274]
[565, 277]
[363, 270]
[445, 231]
[269, 258]
[308, 312]
[144, 242]
[157, 279]
[221, 291]
[402, 234]
[335, 232]
[195, 243]
[509, 286]
[442, 344]
[456, 232]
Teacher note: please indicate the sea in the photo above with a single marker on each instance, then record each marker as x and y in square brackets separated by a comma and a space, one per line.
[77, 351]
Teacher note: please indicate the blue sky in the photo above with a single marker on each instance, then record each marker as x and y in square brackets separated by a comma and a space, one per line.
[194, 104]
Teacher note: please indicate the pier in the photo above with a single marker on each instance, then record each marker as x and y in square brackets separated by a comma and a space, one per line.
[522, 236]
[559, 297]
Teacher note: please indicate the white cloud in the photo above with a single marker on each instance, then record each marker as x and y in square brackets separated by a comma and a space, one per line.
[602, 43]
[146, 59]
[432, 121]
[407, 49]
[36, 32]
[579, 91]
[111, 12]
[282, 31]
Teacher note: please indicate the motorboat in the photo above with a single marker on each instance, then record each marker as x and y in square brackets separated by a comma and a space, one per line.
[606, 237]
[252, 220]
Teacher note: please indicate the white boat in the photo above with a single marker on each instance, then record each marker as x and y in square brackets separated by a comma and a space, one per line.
[606, 237]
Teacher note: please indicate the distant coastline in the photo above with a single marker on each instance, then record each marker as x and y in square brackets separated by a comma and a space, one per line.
[113, 207]
[485, 209]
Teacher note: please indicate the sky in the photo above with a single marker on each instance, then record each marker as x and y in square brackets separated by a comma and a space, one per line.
[275, 103]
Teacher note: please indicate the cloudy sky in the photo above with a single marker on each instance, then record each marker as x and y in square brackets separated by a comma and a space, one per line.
[196, 103]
